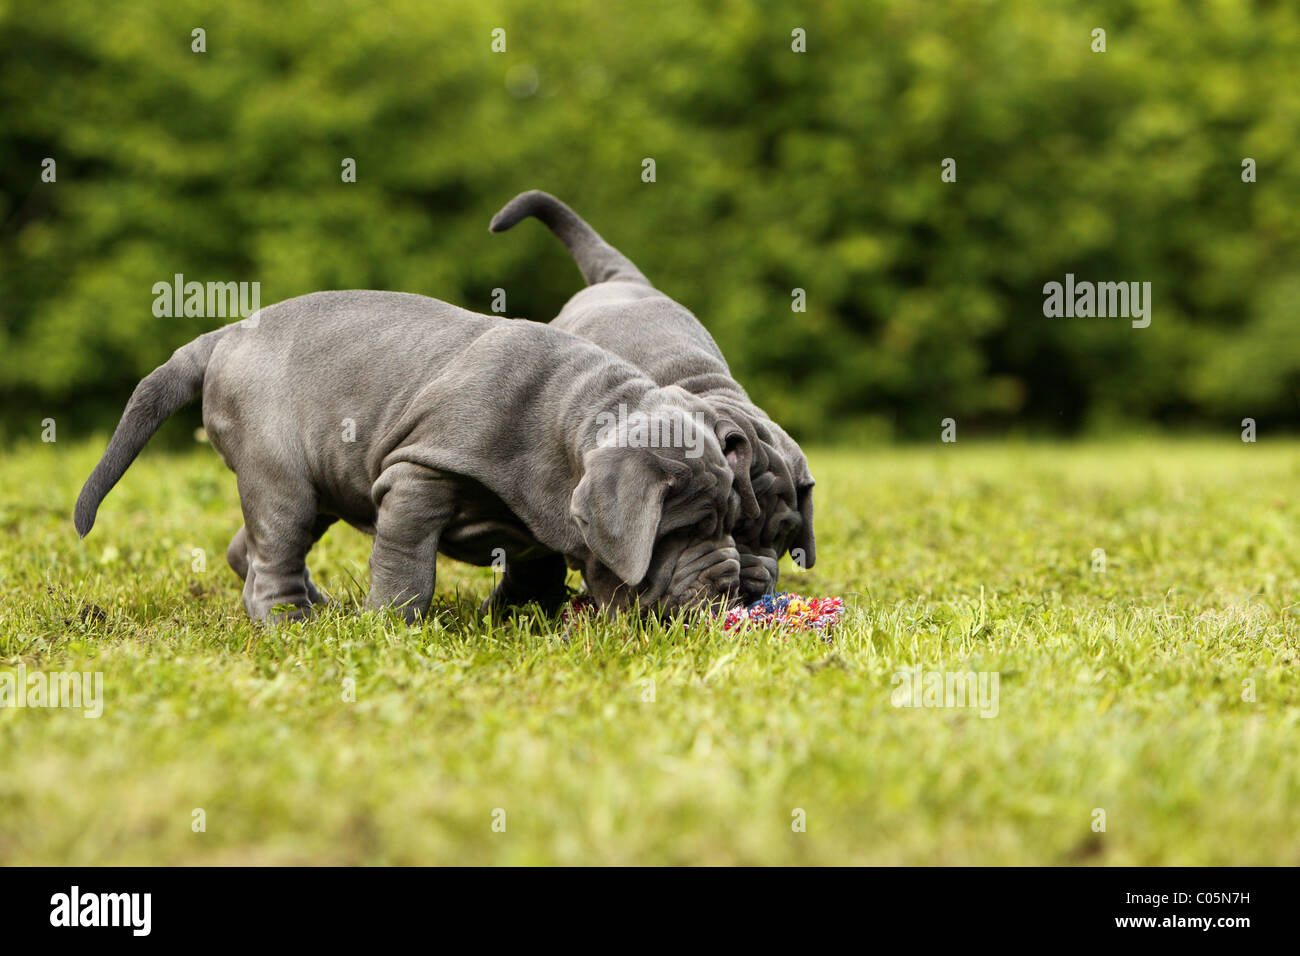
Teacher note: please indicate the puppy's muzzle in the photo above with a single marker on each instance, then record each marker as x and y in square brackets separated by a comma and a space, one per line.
[707, 574]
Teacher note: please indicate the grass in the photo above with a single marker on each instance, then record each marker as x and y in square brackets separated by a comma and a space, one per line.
[1121, 690]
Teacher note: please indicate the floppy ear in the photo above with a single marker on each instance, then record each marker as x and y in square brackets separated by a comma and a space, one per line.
[738, 448]
[618, 505]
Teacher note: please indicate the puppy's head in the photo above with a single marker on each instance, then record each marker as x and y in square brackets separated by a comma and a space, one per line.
[656, 505]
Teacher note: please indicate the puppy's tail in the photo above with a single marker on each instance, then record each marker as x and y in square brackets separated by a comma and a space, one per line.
[598, 260]
[159, 394]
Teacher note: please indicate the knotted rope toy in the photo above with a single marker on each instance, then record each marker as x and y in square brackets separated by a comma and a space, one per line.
[791, 612]
[784, 611]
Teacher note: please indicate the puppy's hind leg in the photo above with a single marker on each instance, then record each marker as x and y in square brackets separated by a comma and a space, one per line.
[279, 528]
[238, 558]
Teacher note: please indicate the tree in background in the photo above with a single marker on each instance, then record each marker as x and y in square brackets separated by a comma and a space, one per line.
[775, 170]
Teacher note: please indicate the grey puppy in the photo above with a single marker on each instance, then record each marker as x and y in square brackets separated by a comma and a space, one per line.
[622, 312]
[469, 433]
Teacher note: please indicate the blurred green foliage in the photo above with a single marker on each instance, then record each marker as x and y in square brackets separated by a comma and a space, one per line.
[775, 170]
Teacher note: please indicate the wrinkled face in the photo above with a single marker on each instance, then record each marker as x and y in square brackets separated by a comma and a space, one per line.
[656, 508]
[783, 486]
[686, 573]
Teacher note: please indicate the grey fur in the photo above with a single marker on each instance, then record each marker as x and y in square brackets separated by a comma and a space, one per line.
[623, 313]
[472, 433]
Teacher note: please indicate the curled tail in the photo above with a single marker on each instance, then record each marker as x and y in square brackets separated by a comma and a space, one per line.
[159, 394]
[598, 260]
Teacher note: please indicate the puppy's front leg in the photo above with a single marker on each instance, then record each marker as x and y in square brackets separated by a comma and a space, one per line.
[414, 505]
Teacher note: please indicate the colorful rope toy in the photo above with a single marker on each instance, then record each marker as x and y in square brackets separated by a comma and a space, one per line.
[790, 612]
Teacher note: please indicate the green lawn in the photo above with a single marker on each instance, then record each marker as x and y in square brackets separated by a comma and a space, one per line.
[1120, 691]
